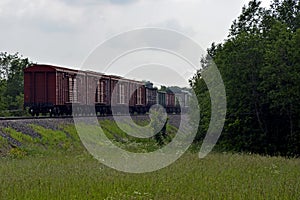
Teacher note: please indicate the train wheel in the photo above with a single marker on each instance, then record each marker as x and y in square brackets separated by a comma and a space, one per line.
[56, 112]
[51, 112]
[31, 111]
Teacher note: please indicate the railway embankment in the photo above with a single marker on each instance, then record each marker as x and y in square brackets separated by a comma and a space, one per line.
[21, 137]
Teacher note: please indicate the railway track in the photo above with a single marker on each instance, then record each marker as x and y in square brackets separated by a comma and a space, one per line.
[67, 117]
[29, 117]
[54, 117]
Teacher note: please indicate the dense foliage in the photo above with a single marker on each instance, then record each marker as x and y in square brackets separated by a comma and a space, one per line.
[260, 66]
[11, 83]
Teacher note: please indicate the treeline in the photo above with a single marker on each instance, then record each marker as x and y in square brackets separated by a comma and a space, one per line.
[260, 66]
[11, 84]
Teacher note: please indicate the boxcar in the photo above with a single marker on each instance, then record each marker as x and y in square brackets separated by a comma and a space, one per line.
[136, 96]
[127, 95]
[170, 102]
[49, 89]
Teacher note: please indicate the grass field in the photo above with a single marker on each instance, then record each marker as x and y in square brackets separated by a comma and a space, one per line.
[218, 176]
[58, 167]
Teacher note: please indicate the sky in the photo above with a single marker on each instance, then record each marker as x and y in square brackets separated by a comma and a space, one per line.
[65, 32]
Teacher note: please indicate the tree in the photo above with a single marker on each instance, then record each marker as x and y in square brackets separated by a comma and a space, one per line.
[249, 21]
[11, 80]
[260, 67]
[287, 12]
[280, 86]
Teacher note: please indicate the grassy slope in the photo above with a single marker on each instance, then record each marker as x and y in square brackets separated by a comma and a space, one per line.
[58, 167]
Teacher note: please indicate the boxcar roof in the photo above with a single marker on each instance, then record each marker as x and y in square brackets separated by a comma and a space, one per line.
[115, 77]
[49, 68]
[94, 73]
[43, 67]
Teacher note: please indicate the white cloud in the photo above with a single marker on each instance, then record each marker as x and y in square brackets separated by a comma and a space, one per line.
[63, 32]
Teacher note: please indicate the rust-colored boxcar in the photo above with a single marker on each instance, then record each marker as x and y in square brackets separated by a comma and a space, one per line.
[136, 94]
[127, 94]
[170, 102]
[48, 88]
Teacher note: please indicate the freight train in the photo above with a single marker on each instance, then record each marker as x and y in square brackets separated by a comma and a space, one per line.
[58, 91]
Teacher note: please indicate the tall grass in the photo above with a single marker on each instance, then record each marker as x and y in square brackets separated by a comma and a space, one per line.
[56, 166]
[218, 176]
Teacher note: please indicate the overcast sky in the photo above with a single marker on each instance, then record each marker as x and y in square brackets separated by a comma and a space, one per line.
[64, 32]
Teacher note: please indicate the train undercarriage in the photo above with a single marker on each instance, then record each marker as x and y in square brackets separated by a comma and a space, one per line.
[92, 110]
